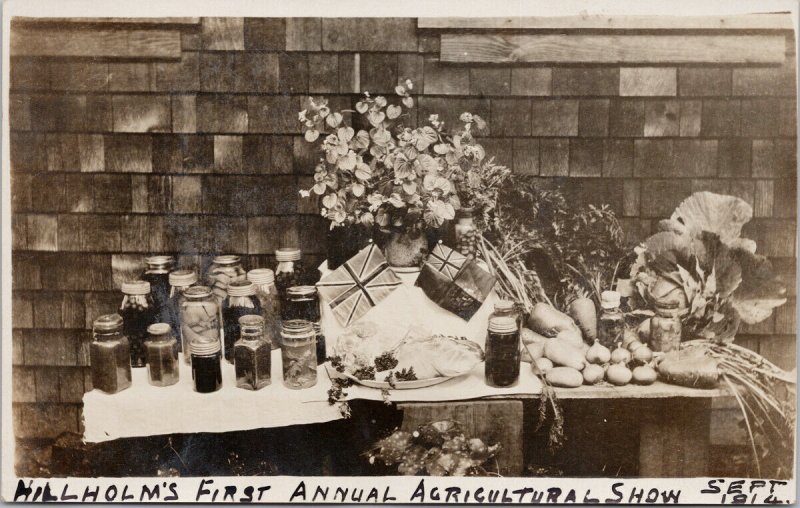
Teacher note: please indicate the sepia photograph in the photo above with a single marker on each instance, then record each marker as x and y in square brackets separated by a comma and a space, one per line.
[461, 254]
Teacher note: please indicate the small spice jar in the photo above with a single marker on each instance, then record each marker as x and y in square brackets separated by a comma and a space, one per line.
[109, 354]
[223, 271]
[298, 354]
[290, 270]
[157, 274]
[611, 324]
[206, 366]
[199, 318]
[267, 294]
[241, 301]
[252, 355]
[666, 328]
[179, 280]
[162, 355]
[138, 312]
[502, 352]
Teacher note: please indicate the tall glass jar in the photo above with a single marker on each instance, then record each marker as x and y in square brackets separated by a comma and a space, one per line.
[109, 354]
[611, 324]
[466, 235]
[502, 352]
[252, 355]
[179, 280]
[290, 270]
[302, 302]
[157, 274]
[199, 318]
[267, 294]
[509, 309]
[206, 366]
[138, 312]
[666, 328]
[241, 301]
[298, 354]
[223, 271]
[162, 355]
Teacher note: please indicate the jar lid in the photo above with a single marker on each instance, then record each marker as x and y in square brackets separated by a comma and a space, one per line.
[159, 329]
[609, 299]
[159, 260]
[251, 320]
[137, 287]
[261, 276]
[107, 323]
[241, 288]
[288, 254]
[296, 329]
[205, 348]
[504, 305]
[182, 278]
[503, 324]
[301, 291]
[197, 292]
[227, 259]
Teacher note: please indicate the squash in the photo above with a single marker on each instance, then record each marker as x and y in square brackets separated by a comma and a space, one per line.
[563, 353]
[565, 377]
[548, 320]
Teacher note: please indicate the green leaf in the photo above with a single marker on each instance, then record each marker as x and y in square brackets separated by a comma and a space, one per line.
[319, 188]
[361, 140]
[347, 162]
[408, 102]
[358, 189]
[410, 187]
[363, 171]
[376, 118]
[393, 112]
[330, 200]
[312, 135]
[362, 107]
[333, 120]
[345, 134]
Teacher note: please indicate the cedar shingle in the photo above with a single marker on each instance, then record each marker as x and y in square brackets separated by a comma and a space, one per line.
[704, 81]
[660, 197]
[554, 117]
[266, 234]
[774, 158]
[228, 154]
[142, 113]
[128, 153]
[734, 157]
[186, 194]
[368, 34]
[265, 33]
[19, 111]
[112, 193]
[184, 113]
[303, 34]
[648, 81]
[526, 156]
[618, 158]
[511, 117]
[92, 152]
[586, 157]
[275, 114]
[626, 118]
[490, 81]
[293, 73]
[720, 118]
[445, 80]
[131, 77]
[554, 157]
[691, 118]
[222, 113]
[593, 117]
[531, 81]
[760, 117]
[42, 232]
[585, 81]
[178, 76]
[661, 118]
[323, 73]
[222, 33]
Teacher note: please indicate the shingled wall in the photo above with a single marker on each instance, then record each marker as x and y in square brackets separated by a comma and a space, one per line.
[116, 158]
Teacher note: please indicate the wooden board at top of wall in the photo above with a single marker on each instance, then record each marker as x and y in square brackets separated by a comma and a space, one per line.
[116, 21]
[101, 43]
[779, 21]
[649, 49]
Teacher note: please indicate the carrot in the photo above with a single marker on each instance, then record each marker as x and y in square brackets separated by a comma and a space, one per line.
[584, 313]
[548, 320]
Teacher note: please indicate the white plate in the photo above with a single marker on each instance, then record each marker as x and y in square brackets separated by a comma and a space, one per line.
[398, 385]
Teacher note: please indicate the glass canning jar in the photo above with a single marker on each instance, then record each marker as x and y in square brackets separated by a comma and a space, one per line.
[252, 355]
[157, 274]
[199, 318]
[507, 308]
[224, 270]
[666, 328]
[206, 366]
[241, 301]
[298, 354]
[611, 323]
[502, 352]
[109, 354]
[290, 270]
[162, 355]
[138, 312]
[267, 294]
[179, 280]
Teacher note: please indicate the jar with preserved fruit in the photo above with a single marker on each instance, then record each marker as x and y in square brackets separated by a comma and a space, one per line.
[252, 355]
[179, 280]
[241, 301]
[109, 354]
[138, 312]
[223, 271]
[466, 235]
[162, 355]
[502, 352]
[666, 328]
[611, 323]
[199, 318]
[290, 270]
[298, 354]
[206, 366]
[157, 274]
[267, 294]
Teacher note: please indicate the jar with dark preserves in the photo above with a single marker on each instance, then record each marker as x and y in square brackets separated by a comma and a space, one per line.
[502, 352]
[290, 270]
[241, 301]
[157, 274]
[109, 354]
[206, 366]
[138, 312]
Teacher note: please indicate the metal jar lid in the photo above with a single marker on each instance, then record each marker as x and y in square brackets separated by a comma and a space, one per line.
[503, 324]
[159, 329]
[227, 259]
[504, 305]
[610, 299]
[288, 254]
[197, 292]
[301, 291]
[261, 276]
[137, 287]
[205, 348]
[182, 278]
[160, 260]
[297, 329]
[107, 323]
[241, 288]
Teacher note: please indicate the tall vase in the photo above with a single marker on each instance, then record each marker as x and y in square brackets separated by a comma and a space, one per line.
[405, 249]
[344, 242]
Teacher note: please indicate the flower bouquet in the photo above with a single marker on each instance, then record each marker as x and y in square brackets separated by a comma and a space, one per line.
[408, 181]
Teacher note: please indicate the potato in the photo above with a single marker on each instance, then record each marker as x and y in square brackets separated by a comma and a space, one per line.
[565, 377]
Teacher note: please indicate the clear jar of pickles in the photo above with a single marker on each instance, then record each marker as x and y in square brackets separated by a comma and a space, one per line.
[162, 355]
[138, 312]
[666, 328]
[252, 355]
[299, 355]
[241, 301]
[179, 281]
[199, 318]
[223, 271]
[157, 274]
[109, 354]
[267, 294]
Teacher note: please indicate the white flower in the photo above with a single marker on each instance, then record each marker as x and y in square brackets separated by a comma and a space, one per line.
[466, 117]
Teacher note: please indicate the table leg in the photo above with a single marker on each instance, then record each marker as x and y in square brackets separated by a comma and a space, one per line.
[674, 439]
[493, 421]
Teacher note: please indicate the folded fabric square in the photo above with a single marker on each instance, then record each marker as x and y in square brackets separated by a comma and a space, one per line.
[358, 285]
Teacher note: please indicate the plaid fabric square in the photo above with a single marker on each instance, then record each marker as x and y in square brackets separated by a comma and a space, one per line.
[446, 261]
[358, 285]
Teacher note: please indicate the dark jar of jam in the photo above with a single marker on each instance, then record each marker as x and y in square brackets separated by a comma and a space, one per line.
[138, 312]
[290, 270]
[502, 352]
[206, 366]
[302, 302]
[110, 355]
[157, 274]
[241, 301]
